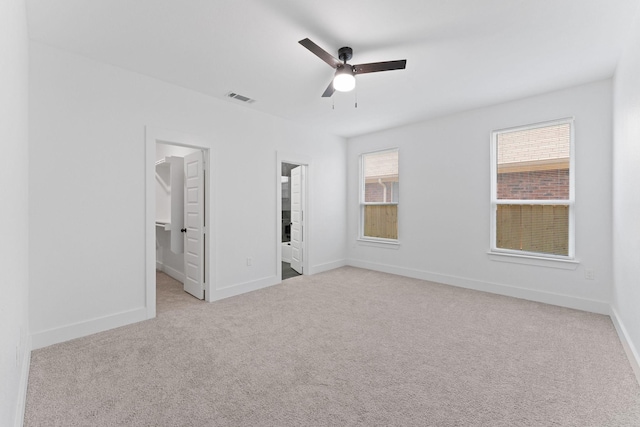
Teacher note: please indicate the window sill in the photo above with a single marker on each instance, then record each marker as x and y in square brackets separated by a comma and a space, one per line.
[389, 244]
[564, 264]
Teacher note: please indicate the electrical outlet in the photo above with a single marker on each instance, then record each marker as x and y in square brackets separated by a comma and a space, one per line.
[589, 274]
[249, 261]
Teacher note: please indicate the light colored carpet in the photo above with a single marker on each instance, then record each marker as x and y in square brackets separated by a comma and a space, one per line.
[343, 348]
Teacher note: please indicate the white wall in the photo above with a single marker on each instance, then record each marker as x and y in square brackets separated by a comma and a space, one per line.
[14, 162]
[626, 196]
[444, 200]
[87, 190]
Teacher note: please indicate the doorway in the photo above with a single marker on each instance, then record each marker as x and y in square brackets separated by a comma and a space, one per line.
[177, 181]
[291, 177]
[293, 219]
[180, 187]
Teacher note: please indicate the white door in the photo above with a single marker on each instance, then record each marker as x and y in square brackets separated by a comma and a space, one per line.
[194, 224]
[297, 218]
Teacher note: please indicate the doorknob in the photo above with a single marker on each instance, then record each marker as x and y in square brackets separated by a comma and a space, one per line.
[184, 230]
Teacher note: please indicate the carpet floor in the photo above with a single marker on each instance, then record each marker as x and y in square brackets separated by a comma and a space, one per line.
[348, 347]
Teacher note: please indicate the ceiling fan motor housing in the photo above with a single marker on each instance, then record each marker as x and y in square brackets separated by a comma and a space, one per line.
[345, 54]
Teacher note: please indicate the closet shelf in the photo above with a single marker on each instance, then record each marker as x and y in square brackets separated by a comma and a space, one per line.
[163, 163]
[163, 224]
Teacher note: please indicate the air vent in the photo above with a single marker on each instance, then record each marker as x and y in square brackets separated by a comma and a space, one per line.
[240, 98]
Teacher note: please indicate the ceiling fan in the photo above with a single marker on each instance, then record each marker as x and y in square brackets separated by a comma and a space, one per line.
[344, 79]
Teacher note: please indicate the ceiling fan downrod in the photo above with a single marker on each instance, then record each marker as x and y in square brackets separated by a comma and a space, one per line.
[345, 54]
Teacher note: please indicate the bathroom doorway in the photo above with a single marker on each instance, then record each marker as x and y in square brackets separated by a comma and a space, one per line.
[293, 218]
[291, 209]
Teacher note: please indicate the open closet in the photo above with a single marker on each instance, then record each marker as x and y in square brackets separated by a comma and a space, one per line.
[180, 228]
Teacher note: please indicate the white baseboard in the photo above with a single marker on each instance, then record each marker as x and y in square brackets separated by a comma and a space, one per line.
[321, 268]
[286, 259]
[170, 271]
[632, 352]
[254, 285]
[584, 304]
[24, 382]
[241, 288]
[92, 326]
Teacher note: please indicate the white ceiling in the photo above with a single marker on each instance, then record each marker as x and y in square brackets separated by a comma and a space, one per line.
[461, 54]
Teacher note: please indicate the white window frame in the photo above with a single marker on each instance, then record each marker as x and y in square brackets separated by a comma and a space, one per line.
[362, 203]
[494, 250]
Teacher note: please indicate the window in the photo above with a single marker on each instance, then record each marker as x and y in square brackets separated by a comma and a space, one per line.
[379, 183]
[533, 190]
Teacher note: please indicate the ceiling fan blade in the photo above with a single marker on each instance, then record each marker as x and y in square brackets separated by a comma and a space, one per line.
[374, 67]
[320, 53]
[329, 91]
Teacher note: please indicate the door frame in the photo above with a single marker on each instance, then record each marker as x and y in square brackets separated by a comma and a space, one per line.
[305, 162]
[155, 135]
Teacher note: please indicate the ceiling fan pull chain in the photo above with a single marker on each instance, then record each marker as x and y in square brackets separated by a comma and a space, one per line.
[356, 94]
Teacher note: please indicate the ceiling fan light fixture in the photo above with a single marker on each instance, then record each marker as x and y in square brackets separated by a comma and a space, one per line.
[344, 80]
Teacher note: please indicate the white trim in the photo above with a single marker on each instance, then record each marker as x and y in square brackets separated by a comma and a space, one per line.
[535, 125]
[321, 268]
[24, 382]
[572, 189]
[379, 203]
[242, 288]
[152, 137]
[170, 271]
[531, 202]
[150, 216]
[530, 259]
[494, 201]
[300, 160]
[631, 351]
[594, 306]
[380, 243]
[88, 327]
